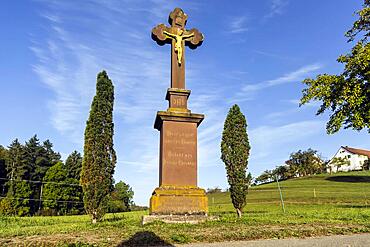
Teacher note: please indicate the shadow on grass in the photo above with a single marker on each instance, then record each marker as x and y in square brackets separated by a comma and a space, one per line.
[145, 238]
[350, 179]
[353, 206]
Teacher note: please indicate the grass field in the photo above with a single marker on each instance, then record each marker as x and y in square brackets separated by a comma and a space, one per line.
[317, 205]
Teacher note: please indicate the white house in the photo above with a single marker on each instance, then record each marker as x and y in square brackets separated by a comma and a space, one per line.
[356, 158]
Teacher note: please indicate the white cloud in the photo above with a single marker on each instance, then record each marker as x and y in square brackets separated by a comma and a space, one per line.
[248, 91]
[238, 25]
[268, 136]
[277, 7]
[117, 39]
[272, 144]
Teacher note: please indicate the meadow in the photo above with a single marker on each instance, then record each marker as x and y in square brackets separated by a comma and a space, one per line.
[317, 205]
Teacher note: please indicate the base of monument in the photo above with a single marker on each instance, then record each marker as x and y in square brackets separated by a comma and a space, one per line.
[178, 200]
[178, 219]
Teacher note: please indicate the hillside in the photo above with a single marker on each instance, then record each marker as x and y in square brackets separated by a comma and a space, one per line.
[349, 189]
[341, 206]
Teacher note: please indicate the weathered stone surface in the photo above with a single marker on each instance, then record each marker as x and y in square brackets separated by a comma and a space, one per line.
[178, 193]
[178, 219]
[178, 37]
[178, 100]
[174, 116]
[178, 200]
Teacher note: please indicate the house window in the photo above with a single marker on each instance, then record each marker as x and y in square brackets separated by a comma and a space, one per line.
[349, 156]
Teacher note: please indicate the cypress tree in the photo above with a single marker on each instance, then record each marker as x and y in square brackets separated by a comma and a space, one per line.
[99, 157]
[234, 153]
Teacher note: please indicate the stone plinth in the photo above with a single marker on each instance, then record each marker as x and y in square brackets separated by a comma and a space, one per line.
[178, 200]
[178, 193]
[178, 219]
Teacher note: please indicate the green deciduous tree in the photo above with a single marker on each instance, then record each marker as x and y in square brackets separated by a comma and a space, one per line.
[304, 163]
[265, 177]
[338, 162]
[99, 156]
[121, 198]
[346, 95]
[234, 153]
[61, 194]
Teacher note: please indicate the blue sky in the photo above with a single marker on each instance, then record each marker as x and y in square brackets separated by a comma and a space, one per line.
[255, 53]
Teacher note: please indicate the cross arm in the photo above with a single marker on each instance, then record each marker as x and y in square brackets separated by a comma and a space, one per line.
[159, 35]
[196, 39]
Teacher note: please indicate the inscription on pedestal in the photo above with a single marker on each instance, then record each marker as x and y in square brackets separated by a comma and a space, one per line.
[178, 101]
[179, 153]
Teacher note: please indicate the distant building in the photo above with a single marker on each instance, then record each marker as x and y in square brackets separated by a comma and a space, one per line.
[356, 159]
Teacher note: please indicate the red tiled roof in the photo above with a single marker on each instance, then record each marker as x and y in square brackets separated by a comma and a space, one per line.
[358, 151]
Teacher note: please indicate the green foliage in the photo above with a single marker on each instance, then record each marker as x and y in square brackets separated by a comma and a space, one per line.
[338, 208]
[265, 177]
[346, 95]
[366, 165]
[180, 238]
[300, 164]
[74, 165]
[338, 162]
[17, 166]
[362, 24]
[99, 156]
[281, 172]
[305, 163]
[20, 193]
[6, 207]
[214, 190]
[234, 153]
[121, 198]
[60, 192]
[24, 163]
[3, 171]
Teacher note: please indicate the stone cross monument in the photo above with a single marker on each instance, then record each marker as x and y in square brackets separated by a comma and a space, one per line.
[178, 193]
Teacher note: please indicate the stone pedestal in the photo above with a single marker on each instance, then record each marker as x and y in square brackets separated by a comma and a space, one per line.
[178, 192]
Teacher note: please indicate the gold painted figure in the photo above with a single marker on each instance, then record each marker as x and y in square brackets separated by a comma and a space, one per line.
[179, 38]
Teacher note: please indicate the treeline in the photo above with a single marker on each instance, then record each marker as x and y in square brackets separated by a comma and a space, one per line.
[304, 163]
[35, 181]
[300, 164]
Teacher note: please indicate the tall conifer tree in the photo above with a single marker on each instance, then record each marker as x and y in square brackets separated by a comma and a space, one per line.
[99, 156]
[74, 164]
[234, 153]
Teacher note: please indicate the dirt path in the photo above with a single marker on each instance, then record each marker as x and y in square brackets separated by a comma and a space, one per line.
[357, 240]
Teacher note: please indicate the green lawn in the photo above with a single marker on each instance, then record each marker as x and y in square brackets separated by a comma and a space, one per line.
[318, 205]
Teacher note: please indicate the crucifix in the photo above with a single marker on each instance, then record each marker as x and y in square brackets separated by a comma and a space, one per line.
[179, 37]
[178, 191]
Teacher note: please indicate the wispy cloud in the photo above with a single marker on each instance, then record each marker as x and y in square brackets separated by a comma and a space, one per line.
[277, 7]
[238, 25]
[140, 70]
[273, 55]
[248, 91]
[309, 104]
[267, 138]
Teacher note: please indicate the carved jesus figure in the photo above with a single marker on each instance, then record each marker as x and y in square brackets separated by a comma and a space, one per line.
[179, 38]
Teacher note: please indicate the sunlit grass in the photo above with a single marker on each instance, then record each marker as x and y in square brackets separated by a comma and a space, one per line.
[313, 206]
